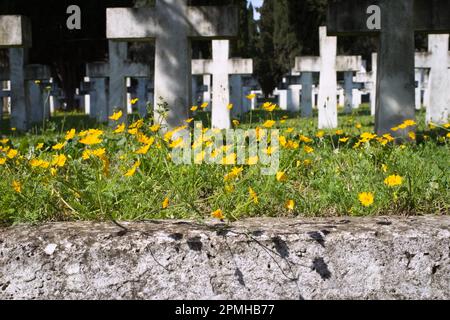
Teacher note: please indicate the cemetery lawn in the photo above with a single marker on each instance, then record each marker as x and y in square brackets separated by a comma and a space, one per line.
[62, 174]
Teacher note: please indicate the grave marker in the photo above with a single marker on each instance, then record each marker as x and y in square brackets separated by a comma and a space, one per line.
[328, 64]
[437, 59]
[221, 67]
[172, 23]
[395, 101]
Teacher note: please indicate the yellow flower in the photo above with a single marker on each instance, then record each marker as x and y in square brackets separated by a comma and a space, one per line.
[320, 134]
[388, 137]
[409, 123]
[17, 186]
[251, 96]
[165, 203]
[39, 146]
[59, 160]
[344, 140]
[218, 214]
[116, 116]
[91, 140]
[395, 129]
[133, 131]
[142, 138]
[253, 195]
[204, 105]
[447, 125]
[367, 136]
[234, 173]
[58, 146]
[384, 168]
[133, 169]
[144, 149]
[120, 128]
[358, 126]
[308, 149]
[290, 205]
[137, 124]
[194, 108]
[339, 132]
[70, 134]
[53, 172]
[35, 163]
[134, 101]
[229, 188]
[230, 106]
[268, 106]
[393, 180]
[236, 123]
[448, 135]
[305, 139]
[289, 130]
[253, 160]
[155, 128]
[86, 154]
[13, 129]
[412, 135]
[4, 141]
[99, 152]
[281, 176]
[12, 153]
[177, 143]
[366, 198]
[269, 124]
[2, 161]
[229, 159]
[189, 120]
[291, 145]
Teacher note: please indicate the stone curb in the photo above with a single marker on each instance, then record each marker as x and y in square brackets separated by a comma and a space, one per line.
[335, 258]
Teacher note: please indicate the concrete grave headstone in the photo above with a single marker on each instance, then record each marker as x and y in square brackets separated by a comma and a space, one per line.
[328, 64]
[221, 67]
[399, 20]
[437, 60]
[15, 33]
[172, 23]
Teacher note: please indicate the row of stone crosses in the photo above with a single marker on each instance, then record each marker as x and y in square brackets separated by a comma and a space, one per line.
[395, 82]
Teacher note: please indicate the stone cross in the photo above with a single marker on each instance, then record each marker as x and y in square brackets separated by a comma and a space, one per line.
[15, 33]
[119, 70]
[35, 77]
[221, 67]
[110, 77]
[172, 23]
[328, 64]
[398, 20]
[5, 94]
[370, 80]
[349, 86]
[437, 59]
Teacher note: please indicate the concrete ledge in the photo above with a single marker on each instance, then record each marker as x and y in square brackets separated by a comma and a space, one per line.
[339, 258]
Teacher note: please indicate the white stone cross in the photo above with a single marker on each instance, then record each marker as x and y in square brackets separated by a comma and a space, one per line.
[397, 22]
[370, 82]
[437, 59]
[221, 67]
[172, 23]
[328, 64]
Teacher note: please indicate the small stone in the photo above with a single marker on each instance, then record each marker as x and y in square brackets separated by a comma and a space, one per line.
[50, 249]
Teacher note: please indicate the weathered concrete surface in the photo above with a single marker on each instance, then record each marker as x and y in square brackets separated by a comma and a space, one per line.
[335, 258]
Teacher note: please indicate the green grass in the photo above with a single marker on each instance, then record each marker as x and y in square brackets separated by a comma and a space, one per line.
[326, 182]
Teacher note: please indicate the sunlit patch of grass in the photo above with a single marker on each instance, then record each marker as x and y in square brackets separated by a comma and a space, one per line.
[128, 175]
